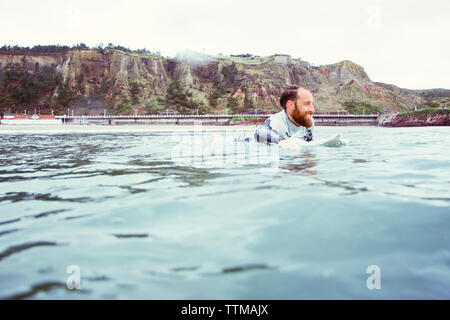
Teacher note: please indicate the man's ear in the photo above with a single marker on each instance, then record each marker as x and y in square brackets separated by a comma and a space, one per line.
[289, 105]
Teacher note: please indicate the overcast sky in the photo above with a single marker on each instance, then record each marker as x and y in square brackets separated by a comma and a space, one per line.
[405, 43]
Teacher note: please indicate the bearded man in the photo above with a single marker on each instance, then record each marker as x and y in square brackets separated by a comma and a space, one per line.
[295, 118]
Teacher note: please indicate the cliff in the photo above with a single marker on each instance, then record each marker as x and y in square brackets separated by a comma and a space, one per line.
[89, 81]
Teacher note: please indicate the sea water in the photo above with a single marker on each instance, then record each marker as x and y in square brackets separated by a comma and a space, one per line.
[189, 215]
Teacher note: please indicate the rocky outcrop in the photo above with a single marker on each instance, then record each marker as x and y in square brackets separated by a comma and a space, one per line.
[417, 119]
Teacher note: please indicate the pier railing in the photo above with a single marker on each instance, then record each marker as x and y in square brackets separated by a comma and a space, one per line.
[206, 116]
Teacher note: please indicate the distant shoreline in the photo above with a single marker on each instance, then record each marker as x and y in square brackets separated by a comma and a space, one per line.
[12, 128]
[75, 128]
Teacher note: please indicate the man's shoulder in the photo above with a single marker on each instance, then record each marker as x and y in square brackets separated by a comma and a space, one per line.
[278, 115]
[277, 119]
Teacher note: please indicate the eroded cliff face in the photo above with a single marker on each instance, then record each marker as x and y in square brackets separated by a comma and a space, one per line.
[128, 82]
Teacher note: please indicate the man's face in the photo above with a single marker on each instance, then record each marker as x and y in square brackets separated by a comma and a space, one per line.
[300, 111]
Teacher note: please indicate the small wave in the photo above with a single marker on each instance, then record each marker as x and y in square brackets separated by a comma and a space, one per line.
[42, 287]
[133, 190]
[98, 278]
[142, 163]
[246, 268]
[181, 269]
[48, 213]
[344, 185]
[77, 217]
[70, 165]
[20, 196]
[9, 221]
[21, 247]
[359, 161]
[136, 235]
[437, 198]
[2, 233]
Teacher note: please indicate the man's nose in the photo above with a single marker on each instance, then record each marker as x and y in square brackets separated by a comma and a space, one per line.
[312, 109]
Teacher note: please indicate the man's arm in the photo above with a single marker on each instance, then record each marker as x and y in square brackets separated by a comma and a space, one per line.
[266, 134]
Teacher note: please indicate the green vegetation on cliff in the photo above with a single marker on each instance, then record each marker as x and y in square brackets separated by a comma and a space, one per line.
[424, 113]
[181, 98]
[19, 88]
[354, 107]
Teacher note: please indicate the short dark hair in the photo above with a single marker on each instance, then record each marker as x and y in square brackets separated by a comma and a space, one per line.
[290, 93]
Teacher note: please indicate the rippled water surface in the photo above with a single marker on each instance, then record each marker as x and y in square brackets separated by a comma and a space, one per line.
[143, 219]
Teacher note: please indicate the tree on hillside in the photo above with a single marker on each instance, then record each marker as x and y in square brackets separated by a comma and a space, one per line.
[135, 91]
[233, 103]
[65, 95]
[81, 45]
[248, 101]
[177, 95]
[230, 75]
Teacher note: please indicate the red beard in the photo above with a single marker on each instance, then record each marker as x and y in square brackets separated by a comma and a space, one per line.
[301, 118]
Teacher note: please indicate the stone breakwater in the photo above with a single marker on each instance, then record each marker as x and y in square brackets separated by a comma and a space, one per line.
[417, 119]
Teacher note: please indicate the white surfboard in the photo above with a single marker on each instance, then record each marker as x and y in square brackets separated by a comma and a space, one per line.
[334, 141]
